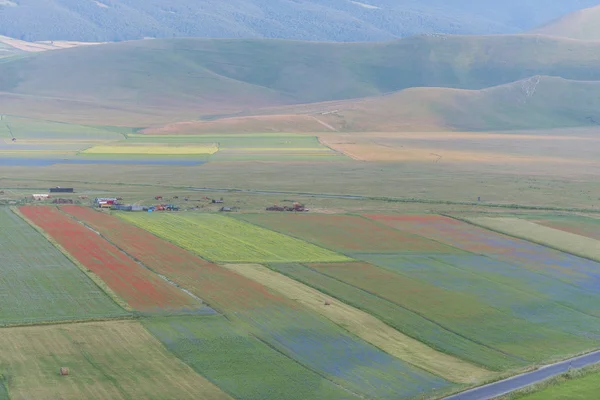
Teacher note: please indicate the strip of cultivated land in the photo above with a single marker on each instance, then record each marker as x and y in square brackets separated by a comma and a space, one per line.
[109, 360]
[365, 326]
[142, 289]
[225, 239]
[584, 226]
[347, 233]
[39, 284]
[572, 243]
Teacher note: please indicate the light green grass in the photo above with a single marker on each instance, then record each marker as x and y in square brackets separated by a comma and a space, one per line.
[224, 239]
[574, 385]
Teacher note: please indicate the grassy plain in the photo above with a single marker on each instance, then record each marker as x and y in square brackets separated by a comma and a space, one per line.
[116, 360]
[225, 239]
[39, 284]
[573, 385]
[365, 326]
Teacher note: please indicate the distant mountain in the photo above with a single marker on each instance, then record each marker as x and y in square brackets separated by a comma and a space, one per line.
[582, 25]
[317, 20]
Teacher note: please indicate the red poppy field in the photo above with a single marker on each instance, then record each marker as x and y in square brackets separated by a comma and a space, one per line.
[140, 288]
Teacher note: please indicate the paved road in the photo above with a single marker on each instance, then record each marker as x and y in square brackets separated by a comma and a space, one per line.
[500, 388]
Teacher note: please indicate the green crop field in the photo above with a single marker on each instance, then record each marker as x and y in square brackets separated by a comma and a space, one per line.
[239, 363]
[108, 360]
[225, 239]
[39, 284]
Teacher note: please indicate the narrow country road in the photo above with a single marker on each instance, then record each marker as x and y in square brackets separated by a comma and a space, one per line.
[506, 386]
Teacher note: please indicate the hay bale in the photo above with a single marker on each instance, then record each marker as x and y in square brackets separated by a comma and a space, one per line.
[64, 371]
[327, 303]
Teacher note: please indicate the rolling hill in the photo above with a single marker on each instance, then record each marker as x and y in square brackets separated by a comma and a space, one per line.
[192, 78]
[317, 20]
[582, 25]
[540, 102]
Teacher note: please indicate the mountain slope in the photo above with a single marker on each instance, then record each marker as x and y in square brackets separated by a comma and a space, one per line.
[582, 25]
[536, 103]
[322, 20]
[216, 75]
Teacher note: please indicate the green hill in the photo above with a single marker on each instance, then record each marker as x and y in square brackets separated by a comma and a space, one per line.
[190, 78]
[582, 25]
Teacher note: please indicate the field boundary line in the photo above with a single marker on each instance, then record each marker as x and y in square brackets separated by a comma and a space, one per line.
[130, 317]
[95, 278]
[309, 300]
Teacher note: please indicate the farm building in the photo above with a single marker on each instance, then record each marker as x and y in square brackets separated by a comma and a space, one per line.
[40, 196]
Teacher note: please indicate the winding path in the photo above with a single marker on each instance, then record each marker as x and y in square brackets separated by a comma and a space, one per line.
[506, 386]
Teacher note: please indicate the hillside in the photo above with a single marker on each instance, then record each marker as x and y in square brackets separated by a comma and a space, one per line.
[582, 25]
[331, 20]
[539, 102]
[195, 78]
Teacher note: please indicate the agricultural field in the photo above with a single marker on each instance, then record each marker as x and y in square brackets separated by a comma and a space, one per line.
[223, 239]
[284, 147]
[578, 225]
[568, 242]
[108, 360]
[347, 233]
[142, 289]
[239, 363]
[551, 263]
[39, 284]
[365, 326]
[151, 150]
[283, 324]
[521, 339]
[407, 321]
